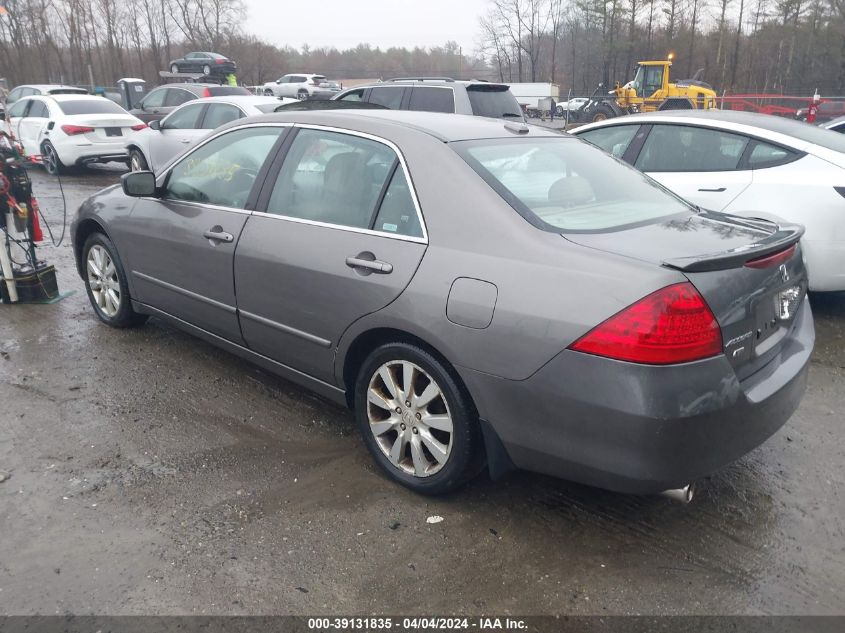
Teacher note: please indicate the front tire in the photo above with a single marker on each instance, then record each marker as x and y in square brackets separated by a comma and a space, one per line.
[417, 421]
[137, 162]
[302, 95]
[268, 93]
[174, 69]
[602, 113]
[105, 283]
[206, 70]
[52, 163]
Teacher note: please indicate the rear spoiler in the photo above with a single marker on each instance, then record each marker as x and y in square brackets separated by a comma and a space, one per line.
[782, 237]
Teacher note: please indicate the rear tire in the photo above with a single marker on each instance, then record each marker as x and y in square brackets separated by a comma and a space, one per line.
[417, 421]
[137, 162]
[105, 283]
[268, 93]
[52, 163]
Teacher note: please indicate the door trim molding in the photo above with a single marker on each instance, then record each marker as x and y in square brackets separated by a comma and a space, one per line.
[311, 338]
[182, 291]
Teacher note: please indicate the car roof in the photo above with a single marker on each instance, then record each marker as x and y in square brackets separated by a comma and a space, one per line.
[789, 132]
[47, 86]
[446, 127]
[433, 81]
[237, 100]
[837, 121]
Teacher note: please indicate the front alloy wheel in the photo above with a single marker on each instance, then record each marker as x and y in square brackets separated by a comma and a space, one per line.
[409, 418]
[103, 281]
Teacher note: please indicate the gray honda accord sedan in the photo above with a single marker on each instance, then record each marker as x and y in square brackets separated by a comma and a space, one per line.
[477, 291]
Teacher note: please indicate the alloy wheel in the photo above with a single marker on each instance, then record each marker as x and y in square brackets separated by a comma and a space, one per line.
[50, 159]
[409, 418]
[135, 162]
[103, 280]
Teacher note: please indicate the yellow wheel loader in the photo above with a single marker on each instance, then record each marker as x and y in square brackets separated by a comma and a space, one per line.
[651, 90]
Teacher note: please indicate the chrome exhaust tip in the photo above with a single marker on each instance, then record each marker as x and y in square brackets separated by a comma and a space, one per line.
[682, 495]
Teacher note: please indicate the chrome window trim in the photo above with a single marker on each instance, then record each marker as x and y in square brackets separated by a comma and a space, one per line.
[407, 238]
[411, 187]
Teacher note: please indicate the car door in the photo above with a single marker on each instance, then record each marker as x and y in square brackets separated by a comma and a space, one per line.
[337, 235]
[179, 246]
[702, 165]
[16, 114]
[31, 128]
[177, 131]
[284, 89]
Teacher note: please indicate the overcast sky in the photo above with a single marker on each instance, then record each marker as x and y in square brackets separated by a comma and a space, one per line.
[384, 23]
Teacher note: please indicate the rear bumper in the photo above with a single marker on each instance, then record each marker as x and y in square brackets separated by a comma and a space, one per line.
[87, 152]
[642, 429]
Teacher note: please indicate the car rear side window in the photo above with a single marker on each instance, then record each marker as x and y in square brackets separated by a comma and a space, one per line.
[431, 99]
[764, 155]
[38, 110]
[333, 178]
[492, 101]
[397, 213]
[389, 97]
[219, 114]
[563, 184]
[671, 148]
[99, 105]
[614, 139]
[222, 171]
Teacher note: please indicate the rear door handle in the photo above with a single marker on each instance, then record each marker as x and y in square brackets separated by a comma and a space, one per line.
[185, 140]
[372, 265]
[219, 235]
[719, 190]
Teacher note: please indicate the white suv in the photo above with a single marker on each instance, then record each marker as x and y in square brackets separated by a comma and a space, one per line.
[301, 87]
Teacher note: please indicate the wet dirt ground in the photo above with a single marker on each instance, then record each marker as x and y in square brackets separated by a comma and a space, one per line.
[151, 473]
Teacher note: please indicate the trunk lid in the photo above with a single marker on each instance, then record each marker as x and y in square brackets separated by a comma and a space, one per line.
[108, 128]
[750, 273]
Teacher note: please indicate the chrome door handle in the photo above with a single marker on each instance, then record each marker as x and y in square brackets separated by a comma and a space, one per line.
[372, 265]
[185, 140]
[219, 236]
[719, 190]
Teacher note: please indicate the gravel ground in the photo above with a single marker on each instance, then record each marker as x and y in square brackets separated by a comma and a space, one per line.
[150, 473]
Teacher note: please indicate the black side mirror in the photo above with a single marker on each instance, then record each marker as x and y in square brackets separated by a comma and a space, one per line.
[155, 125]
[139, 184]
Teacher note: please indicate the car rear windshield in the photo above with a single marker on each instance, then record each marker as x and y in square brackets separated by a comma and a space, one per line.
[493, 101]
[222, 91]
[566, 185]
[266, 108]
[90, 106]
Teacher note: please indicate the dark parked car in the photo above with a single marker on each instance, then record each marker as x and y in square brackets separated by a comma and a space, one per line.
[159, 102]
[209, 64]
[439, 94]
[473, 289]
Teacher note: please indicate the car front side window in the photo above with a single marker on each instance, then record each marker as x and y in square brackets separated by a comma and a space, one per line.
[222, 172]
[186, 118]
[333, 178]
[613, 139]
[154, 99]
[681, 148]
[19, 109]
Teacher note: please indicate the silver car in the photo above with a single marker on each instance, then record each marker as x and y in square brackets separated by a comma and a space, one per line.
[152, 147]
[476, 290]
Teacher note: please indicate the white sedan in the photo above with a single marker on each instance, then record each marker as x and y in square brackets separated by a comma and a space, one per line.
[72, 129]
[154, 147]
[746, 164]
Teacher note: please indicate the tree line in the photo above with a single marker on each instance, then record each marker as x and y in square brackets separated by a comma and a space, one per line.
[783, 46]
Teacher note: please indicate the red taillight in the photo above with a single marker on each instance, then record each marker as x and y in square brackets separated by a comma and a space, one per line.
[140, 126]
[672, 325]
[206, 93]
[219, 61]
[772, 260]
[73, 130]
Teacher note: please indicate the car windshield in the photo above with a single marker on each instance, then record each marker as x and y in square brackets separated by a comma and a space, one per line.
[566, 185]
[90, 106]
[493, 101]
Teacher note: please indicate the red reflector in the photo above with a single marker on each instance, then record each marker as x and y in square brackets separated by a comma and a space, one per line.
[140, 126]
[72, 130]
[672, 325]
[206, 93]
[772, 260]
